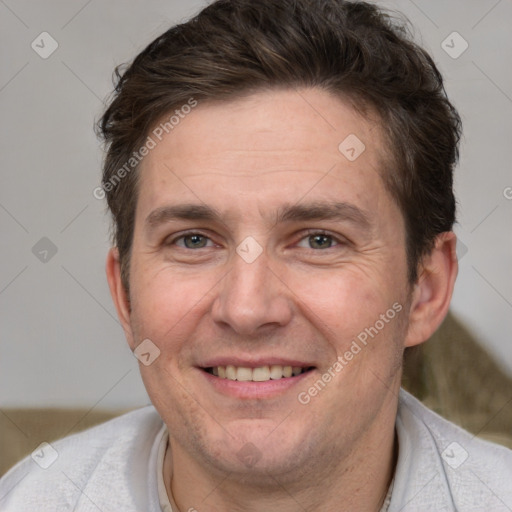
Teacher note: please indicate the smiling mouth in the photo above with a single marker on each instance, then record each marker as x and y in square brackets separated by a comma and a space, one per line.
[260, 374]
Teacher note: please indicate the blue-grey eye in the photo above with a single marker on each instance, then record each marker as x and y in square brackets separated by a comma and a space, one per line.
[194, 241]
[318, 241]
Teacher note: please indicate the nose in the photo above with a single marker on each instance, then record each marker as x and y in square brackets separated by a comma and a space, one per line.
[252, 298]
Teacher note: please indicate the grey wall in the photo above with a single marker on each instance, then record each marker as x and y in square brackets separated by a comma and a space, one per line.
[60, 340]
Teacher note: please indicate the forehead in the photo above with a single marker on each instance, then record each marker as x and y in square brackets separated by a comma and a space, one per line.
[264, 149]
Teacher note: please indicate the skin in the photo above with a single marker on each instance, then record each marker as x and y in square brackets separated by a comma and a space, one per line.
[300, 299]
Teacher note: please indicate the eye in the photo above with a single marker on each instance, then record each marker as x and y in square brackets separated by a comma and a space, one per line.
[319, 240]
[315, 240]
[192, 241]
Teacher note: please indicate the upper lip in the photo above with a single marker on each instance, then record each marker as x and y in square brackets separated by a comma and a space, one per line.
[254, 362]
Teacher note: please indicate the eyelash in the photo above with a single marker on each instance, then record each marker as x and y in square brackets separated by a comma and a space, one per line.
[308, 233]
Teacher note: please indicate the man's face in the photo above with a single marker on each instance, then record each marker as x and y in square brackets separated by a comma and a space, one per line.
[276, 280]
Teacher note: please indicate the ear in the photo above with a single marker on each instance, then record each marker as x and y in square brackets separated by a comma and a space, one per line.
[433, 291]
[118, 292]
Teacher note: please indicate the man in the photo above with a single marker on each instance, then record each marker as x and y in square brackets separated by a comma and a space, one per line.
[280, 179]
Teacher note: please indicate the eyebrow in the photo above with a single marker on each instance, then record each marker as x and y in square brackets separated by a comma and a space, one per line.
[312, 211]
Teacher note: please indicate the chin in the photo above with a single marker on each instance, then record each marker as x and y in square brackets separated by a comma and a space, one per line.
[257, 452]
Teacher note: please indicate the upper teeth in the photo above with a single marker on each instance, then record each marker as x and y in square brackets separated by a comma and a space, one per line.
[260, 374]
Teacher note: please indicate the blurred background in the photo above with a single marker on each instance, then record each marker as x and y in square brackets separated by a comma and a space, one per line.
[61, 344]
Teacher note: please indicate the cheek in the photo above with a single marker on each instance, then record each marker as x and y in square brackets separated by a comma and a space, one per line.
[167, 305]
[344, 300]
[360, 316]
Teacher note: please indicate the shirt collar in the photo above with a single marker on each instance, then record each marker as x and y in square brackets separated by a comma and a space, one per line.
[420, 481]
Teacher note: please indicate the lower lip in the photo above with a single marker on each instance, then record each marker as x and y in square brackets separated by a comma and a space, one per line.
[250, 389]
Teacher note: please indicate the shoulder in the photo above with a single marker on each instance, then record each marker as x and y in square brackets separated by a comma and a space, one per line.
[469, 472]
[99, 461]
[444, 432]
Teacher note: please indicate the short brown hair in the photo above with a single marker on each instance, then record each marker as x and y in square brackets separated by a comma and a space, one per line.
[352, 49]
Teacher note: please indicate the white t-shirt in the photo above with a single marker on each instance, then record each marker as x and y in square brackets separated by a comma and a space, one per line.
[118, 466]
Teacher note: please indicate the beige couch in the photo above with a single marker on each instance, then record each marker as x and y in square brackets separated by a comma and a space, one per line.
[450, 373]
